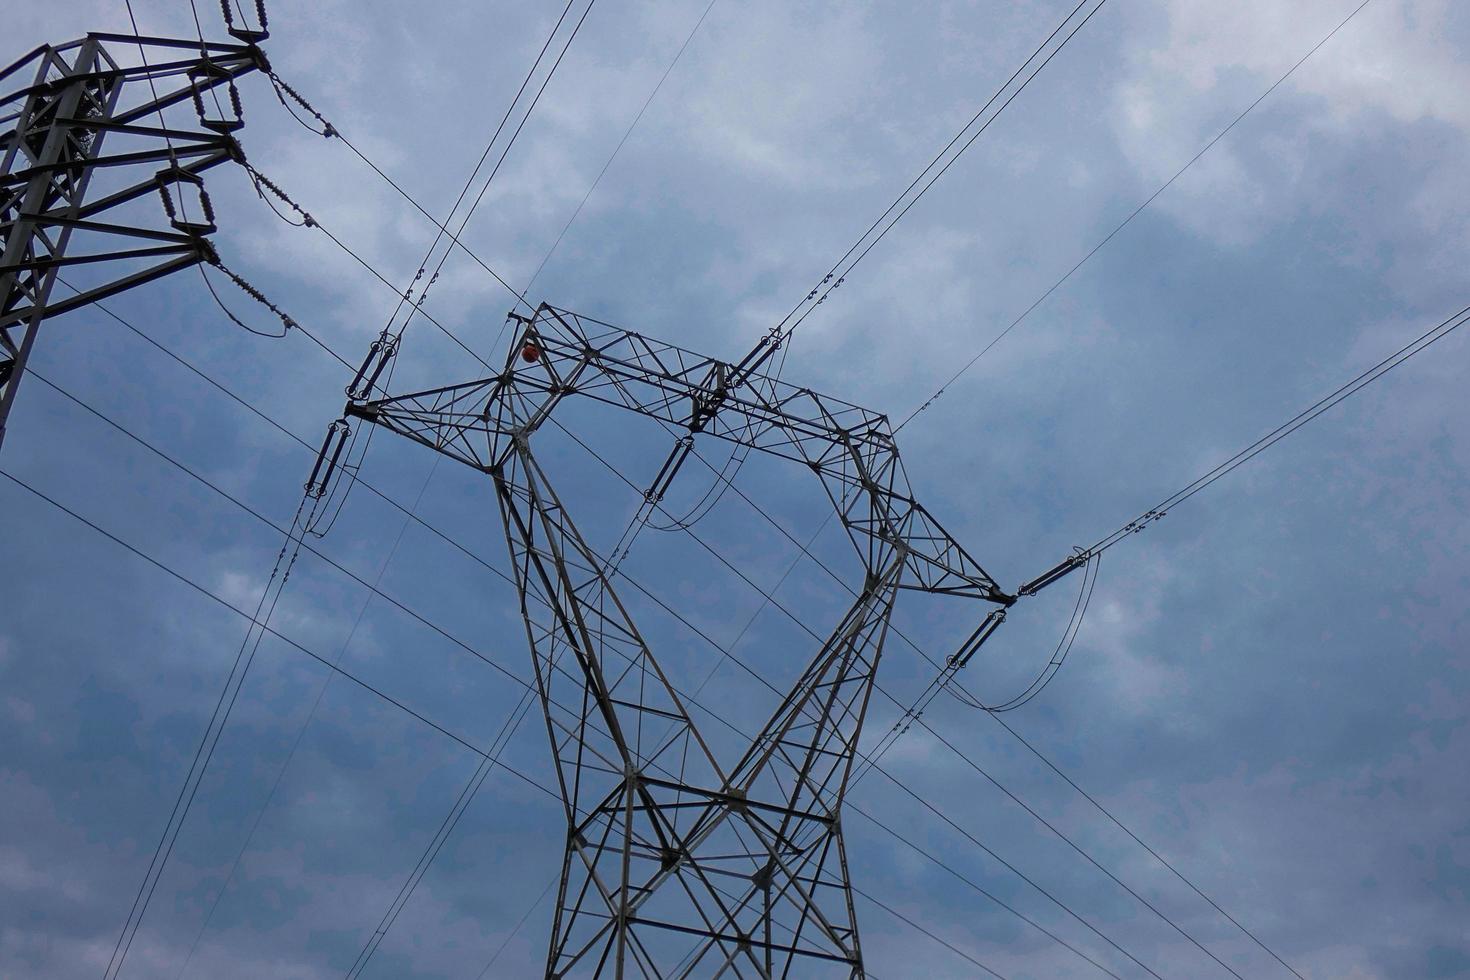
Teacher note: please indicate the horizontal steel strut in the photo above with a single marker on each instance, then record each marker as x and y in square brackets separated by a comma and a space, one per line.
[52, 132]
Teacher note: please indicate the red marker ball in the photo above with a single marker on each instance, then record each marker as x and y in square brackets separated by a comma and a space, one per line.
[530, 353]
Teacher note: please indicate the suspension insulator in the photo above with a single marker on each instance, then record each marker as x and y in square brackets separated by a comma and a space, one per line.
[205, 76]
[178, 177]
[377, 359]
[327, 458]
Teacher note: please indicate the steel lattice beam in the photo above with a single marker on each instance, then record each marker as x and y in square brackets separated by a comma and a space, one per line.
[674, 865]
[51, 147]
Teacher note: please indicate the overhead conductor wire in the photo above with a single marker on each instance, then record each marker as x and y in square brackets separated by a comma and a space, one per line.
[374, 590]
[490, 756]
[234, 682]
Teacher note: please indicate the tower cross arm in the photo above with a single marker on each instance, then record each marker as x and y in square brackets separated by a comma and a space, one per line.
[558, 353]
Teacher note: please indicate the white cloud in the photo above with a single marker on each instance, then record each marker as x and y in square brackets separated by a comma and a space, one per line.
[1393, 60]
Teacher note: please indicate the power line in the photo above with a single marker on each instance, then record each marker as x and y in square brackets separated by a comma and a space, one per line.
[779, 337]
[964, 368]
[967, 144]
[228, 693]
[504, 152]
[441, 835]
[300, 735]
[332, 666]
[518, 926]
[1156, 855]
[766, 595]
[410, 612]
[1329, 401]
[916, 926]
[214, 596]
[472, 788]
[619, 148]
[801, 624]
[1131, 527]
[871, 759]
[933, 859]
[283, 89]
[211, 738]
[937, 167]
[1090, 859]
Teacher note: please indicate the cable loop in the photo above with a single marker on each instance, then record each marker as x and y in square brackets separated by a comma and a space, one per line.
[283, 88]
[246, 287]
[260, 181]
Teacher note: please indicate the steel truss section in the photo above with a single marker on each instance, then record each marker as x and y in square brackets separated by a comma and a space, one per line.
[52, 132]
[674, 865]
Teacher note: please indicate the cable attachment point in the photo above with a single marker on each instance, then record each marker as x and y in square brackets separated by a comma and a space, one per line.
[327, 457]
[286, 321]
[243, 34]
[263, 183]
[378, 356]
[283, 89]
[1148, 518]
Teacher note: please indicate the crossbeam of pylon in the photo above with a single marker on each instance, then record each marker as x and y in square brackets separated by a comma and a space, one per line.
[75, 98]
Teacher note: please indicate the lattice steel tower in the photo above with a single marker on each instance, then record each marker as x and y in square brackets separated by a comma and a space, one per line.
[52, 131]
[678, 863]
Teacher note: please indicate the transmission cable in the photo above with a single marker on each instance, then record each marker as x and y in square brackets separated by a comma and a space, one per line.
[964, 368]
[1334, 398]
[324, 661]
[779, 337]
[919, 928]
[1327, 402]
[399, 605]
[1114, 232]
[1141, 843]
[1071, 632]
[913, 714]
[802, 625]
[619, 148]
[452, 820]
[147, 888]
[300, 736]
[389, 341]
[204, 752]
[940, 164]
[473, 787]
[333, 667]
[464, 222]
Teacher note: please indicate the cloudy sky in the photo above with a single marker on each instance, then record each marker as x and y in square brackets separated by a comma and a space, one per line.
[1269, 686]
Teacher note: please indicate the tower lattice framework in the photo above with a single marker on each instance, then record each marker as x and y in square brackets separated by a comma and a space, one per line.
[72, 98]
[678, 863]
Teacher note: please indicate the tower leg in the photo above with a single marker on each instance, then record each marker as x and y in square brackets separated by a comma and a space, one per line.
[56, 152]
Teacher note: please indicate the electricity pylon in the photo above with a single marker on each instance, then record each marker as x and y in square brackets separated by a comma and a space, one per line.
[51, 146]
[677, 864]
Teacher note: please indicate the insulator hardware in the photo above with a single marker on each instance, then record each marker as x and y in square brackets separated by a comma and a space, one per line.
[987, 626]
[327, 458]
[246, 35]
[204, 76]
[1062, 570]
[377, 359]
[178, 176]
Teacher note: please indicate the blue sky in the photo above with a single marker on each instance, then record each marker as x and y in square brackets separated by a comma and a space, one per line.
[1269, 687]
